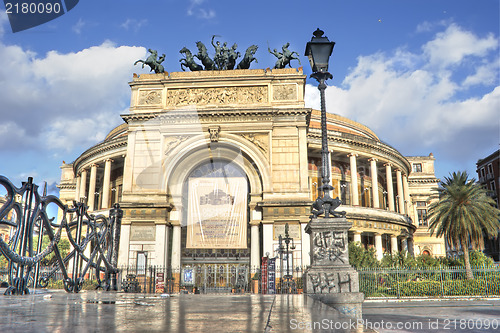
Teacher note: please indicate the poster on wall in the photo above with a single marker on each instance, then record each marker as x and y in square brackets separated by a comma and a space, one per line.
[217, 213]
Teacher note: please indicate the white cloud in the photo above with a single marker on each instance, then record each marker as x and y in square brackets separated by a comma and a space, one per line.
[4, 19]
[423, 102]
[453, 45]
[63, 101]
[133, 24]
[78, 26]
[195, 9]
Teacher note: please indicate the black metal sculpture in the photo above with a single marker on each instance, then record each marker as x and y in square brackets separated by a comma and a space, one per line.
[28, 218]
[153, 63]
[188, 61]
[284, 57]
[248, 57]
[225, 57]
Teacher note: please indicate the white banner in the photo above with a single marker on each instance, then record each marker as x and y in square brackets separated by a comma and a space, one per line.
[217, 213]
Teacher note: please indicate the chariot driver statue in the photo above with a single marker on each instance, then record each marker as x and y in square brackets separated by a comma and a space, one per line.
[152, 62]
[284, 57]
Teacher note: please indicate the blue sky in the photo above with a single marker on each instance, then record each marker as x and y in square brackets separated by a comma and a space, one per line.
[424, 75]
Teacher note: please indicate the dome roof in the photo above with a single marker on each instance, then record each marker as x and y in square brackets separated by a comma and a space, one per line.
[336, 123]
[118, 131]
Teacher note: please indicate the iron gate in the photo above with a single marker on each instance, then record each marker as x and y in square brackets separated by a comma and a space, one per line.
[216, 278]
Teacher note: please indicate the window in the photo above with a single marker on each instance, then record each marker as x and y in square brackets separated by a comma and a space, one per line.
[422, 213]
[490, 169]
[142, 259]
[417, 167]
[422, 217]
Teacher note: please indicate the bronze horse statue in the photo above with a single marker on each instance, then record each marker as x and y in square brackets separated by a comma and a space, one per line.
[285, 57]
[151, 61]
[248, 57]
[188, 61]
[204, 58]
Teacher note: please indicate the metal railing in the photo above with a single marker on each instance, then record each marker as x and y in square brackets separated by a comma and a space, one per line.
[93, 240]
[429, 282]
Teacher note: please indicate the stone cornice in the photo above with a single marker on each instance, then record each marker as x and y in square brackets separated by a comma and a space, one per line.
[423, 180]
[100, 148]
[314, 135]
[223, 113]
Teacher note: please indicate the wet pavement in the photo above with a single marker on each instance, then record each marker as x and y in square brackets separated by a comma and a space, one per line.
[90, 311]
[58, 311]
[430, 316]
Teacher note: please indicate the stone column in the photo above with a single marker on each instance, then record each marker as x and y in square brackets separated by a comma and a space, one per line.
[357, 236]
[123, 254]
[176, 247]
[306, 246]
[409, 245]
[267, 239]
[404, 244]
[254, 248]
[378, 246]
[161, 244]
[77, 191]
[106, 184]
[394, 244]
[92, 183]
[83, 185]
[401, 198]
[374, 175]
[354, 179]
[406, 191]
[390, 187]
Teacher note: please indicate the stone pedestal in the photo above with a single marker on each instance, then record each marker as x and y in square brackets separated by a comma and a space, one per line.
[331, 279]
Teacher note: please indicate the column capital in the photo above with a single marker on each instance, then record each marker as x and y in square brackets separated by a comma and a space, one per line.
[373, 159]
[352, 155]
[388, 164]
[109, 160]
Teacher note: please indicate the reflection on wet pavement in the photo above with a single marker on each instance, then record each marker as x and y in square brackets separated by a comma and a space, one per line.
[57, 311]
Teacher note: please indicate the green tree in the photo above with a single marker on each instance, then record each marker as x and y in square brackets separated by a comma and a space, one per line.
[361, 257]
[463, 214]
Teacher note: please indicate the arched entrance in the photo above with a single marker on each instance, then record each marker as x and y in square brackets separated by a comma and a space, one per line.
[215, 236]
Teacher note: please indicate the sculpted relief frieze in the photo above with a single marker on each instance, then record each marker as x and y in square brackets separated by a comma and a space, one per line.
[172, 142]
[149, 97]
[260, 140]
[285, 92]
[217, 96]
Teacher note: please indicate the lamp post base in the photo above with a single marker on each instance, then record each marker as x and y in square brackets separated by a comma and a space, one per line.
[331, 279]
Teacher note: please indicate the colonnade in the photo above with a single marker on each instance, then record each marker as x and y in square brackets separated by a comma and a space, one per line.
[81, 186]
[379, 250]
[397, 203]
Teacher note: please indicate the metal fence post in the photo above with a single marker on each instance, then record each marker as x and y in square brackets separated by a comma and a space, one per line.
[397, 282]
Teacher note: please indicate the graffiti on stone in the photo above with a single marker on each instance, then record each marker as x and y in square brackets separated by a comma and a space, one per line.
[326, 283]
[323, 282]
[329, 245]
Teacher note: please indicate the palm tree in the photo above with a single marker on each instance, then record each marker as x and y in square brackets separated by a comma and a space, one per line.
[463, 214]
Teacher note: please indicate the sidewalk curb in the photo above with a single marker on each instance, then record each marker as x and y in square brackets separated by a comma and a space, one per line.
[460, 298]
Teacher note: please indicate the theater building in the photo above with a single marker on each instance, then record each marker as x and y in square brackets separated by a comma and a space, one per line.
[209, 166]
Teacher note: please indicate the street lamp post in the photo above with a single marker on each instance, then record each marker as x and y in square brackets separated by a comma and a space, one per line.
[288, 284]
[318, 50]
[329, 278]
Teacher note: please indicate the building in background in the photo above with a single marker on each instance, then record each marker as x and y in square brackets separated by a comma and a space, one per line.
[209, 166]
[489, 176]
